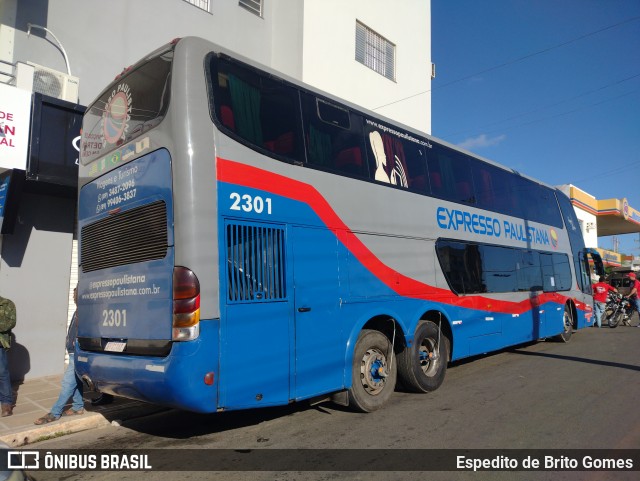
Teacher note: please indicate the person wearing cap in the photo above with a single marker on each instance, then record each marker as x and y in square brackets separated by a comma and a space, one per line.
[600, 291]
[633, 295]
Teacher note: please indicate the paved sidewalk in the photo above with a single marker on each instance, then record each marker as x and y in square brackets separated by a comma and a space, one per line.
[35, 397]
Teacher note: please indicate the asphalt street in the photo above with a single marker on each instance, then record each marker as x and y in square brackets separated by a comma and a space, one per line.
[581, 396]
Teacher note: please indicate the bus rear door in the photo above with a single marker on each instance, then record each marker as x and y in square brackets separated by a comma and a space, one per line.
[256, 325]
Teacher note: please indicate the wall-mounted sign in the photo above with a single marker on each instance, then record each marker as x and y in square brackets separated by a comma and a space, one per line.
[55, 141]
[15, 115]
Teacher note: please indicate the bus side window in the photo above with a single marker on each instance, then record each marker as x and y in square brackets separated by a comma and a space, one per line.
[261, 110]
[562, 272]
[536, 203]
[450, 175]
[494, 188]
[395, 160]
[334, 137]
[417, 169]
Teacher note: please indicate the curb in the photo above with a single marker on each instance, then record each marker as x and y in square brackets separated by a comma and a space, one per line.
[90, 420]
[55, 429]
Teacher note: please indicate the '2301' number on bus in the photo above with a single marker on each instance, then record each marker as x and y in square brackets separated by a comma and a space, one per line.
[249, 203]
[114, 317]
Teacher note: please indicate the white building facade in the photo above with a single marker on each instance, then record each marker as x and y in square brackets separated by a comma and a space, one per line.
[373, 53]
[310, 40]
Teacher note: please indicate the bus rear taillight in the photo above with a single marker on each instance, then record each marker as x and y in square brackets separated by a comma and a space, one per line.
[186, 305]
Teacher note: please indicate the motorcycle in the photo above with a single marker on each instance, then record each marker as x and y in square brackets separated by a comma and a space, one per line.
[618, 310]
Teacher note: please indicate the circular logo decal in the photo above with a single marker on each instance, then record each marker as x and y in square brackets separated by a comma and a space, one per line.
[115, 120]
[554, 238]
[625, 209]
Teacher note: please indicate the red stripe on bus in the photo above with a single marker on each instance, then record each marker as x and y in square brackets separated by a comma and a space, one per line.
[245, 175]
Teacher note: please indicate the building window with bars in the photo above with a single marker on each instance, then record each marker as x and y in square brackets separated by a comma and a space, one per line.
[375, 51]
[254, 6]
[202, 4]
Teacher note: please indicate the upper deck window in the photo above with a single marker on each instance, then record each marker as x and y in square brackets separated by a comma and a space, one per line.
[134, 104]
[396, 157]
[259, 109]
[334, 137]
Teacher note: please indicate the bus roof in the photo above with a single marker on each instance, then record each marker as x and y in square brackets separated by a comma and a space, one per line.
[185, 42]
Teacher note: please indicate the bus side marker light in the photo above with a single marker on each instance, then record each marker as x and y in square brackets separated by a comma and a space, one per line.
[209, 378]
[154, 368]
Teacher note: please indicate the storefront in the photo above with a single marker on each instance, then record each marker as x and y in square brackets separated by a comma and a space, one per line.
[38, 189]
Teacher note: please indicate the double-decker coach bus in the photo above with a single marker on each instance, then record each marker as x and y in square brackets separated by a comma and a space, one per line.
[247, 240]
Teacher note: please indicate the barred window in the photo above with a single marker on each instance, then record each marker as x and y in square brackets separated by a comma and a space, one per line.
[202, 4]
[255, 262]
[375, 51]
[254, 6]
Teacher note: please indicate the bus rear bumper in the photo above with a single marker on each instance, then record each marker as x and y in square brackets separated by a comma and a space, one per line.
[181, 380]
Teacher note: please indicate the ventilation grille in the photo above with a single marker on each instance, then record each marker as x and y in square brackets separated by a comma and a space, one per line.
[255, 263]
[55, 84]
[136, 235]
[47, 83]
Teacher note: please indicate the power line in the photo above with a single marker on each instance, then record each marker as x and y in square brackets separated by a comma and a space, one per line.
[511, 62]
[513, 117]
[562, 114]
[616, 171]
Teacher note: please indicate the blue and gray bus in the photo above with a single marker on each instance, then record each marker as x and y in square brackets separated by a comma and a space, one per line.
[247, 240]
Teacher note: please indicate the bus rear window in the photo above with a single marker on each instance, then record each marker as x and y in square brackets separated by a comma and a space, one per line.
[133, 105]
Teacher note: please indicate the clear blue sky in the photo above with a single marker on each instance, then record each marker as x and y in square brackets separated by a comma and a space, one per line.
[550, 88]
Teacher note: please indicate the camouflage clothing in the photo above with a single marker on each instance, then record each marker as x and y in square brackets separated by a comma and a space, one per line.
[7, 321]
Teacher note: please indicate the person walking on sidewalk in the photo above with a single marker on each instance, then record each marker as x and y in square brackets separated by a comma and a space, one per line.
[71, 386]
[7, 322]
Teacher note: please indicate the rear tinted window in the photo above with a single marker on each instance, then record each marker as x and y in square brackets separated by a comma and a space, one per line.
[133, 105]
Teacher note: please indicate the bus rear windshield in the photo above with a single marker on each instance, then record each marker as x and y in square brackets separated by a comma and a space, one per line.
[134, 104]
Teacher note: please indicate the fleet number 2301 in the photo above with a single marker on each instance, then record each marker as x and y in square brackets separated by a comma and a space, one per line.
[249, 203]
[114, 317]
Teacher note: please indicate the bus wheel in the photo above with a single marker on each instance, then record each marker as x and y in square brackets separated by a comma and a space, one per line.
[422, 366]
[374, 372]
[568, 326]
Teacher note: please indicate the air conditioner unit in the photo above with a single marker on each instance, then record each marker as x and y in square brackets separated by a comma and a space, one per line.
[54, 83]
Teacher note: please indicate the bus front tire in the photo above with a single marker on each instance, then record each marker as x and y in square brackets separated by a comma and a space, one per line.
[422, 367]
[374, 372]
[567, 321]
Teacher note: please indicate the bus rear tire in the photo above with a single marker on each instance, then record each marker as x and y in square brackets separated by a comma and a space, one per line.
[422, 367]
[567, 321]
[374, 372]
